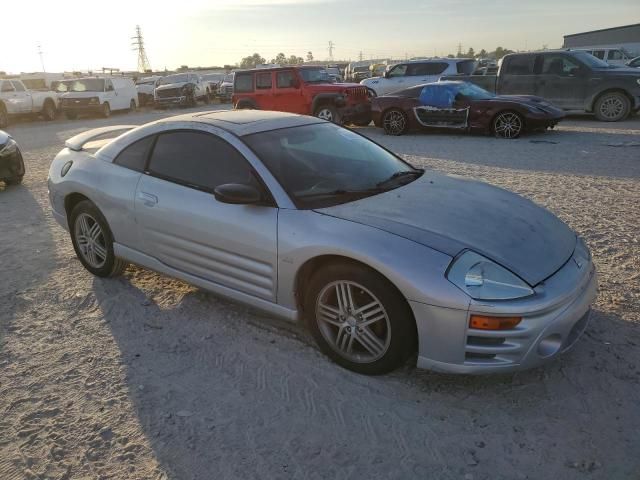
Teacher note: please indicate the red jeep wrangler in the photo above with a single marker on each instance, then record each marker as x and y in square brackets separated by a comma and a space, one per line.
[304, 90]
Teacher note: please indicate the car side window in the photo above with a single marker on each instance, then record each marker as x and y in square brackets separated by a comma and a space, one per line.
[423, 69]
[135, 155]
[285, 79]
[108, 86]
[398, 71]
[615, 55]
[263, 81]
[199, 160]
[243, 82]
[521, 65]
[559, 65]
[18, 86]
[598, 53]
[7, 87]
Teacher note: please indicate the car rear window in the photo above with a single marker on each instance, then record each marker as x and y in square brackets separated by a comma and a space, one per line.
[466, 67]
[135, 155]
[431, 68]
[243, 82]
[521, 65]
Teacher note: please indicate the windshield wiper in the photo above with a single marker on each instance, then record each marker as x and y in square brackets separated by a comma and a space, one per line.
[341, 192]
[402, 174]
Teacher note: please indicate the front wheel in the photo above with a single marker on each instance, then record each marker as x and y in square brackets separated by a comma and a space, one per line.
[327, 112]
[49, 111]
[612, 107]
[508, 125]
[106, 110]
[395, 122]
[4, 116]
[17, 171]
[93, 241]
[359, 319]
[132, 106]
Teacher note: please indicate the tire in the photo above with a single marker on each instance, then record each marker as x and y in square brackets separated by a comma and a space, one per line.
[612, 107]
[327, 112]
[191, 101]
[102, 263]
[49, 111]
[18, 174]
[4, 116]
[206, 99]
[507, 125]
[106, 110]
[382, 345]
[132, 106]
[71, 115]
[245, 106]
[395, 122]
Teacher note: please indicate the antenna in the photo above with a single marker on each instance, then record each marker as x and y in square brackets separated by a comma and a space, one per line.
[138, 44]
[40, 54]
[331, 45]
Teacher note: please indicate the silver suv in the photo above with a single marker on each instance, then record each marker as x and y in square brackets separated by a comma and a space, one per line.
[417, 72]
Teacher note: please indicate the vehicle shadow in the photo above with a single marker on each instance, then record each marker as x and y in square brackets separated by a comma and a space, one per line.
[25, 234]
[219, 388]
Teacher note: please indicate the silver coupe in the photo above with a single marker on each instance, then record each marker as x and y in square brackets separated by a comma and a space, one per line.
[305, 219]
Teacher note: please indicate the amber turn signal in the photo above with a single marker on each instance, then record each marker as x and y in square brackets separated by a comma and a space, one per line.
[482, 322]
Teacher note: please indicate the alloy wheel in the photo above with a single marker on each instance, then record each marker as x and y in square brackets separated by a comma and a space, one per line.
[325, 114]
[353, 321]
[90, 240]
[612, 107]
[394, 122]
[508, 125]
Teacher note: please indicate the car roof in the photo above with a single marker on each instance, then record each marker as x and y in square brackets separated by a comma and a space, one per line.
[245, 122]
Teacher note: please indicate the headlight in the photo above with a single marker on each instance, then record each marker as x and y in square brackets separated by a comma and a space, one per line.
[483, 279]
[8, 148]
[93, 101]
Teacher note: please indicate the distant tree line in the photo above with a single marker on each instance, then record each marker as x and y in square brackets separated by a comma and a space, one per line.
[498, 53]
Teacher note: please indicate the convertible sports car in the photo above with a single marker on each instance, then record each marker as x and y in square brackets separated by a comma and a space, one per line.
[463, 106]
[303, 218]
[11, 162]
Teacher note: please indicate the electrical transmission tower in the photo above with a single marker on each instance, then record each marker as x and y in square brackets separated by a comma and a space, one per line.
[138, 44]
[331, 46]
[40, 54]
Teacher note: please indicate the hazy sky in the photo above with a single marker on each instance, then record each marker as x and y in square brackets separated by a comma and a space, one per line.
[82, 35]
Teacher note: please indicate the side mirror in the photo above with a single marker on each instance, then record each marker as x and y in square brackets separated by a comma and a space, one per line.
[237, 194]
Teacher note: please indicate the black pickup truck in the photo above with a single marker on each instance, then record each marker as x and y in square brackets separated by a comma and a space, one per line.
[572, 80]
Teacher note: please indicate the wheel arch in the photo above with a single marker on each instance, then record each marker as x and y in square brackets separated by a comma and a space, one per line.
[596, 97]
[73, 199]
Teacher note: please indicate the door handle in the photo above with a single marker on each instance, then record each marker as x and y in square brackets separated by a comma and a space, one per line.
[148, 199]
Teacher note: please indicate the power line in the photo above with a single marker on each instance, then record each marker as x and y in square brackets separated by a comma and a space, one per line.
[143, 61]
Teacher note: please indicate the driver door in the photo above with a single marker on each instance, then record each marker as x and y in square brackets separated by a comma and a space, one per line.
[395, 80]
[182, 225]
[288, 94]
[110, 95]
[562, 81]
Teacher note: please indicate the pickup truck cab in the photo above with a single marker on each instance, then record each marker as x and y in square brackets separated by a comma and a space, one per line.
[16, 99]
[417, 72]
[306, 90]
[572, 80]
[99, 95]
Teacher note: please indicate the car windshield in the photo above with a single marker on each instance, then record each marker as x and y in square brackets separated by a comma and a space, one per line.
[229, 78]
[314, 75]
[61, 86]
[590, 60]
[474, 92]
[169, 79]
[88, 85]
[321, 165]
[213, 77]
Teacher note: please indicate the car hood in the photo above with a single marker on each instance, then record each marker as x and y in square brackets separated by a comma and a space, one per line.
[4, 137]
[451, 214]
[171, 85]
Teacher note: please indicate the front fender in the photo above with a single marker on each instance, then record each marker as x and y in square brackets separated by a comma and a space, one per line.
[416, 270]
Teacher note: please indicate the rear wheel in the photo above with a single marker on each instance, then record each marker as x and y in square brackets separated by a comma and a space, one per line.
[93, 241]
[327, 112]
[132, 106]
[612, 107]
[359, 319]
[49, 110]
[106, 110]
[508, 125]
[395, 122]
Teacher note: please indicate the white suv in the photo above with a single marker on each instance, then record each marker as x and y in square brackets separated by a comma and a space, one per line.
[416, 72]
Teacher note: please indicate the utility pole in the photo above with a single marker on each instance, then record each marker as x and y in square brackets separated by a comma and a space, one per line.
[40, 54]
[331, 45]
[360, 56]
[138, 44]
[459, 49]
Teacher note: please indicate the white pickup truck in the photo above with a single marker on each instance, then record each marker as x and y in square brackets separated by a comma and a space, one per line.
[15, 99]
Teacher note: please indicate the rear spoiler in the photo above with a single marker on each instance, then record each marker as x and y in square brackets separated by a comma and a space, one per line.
[76, 143]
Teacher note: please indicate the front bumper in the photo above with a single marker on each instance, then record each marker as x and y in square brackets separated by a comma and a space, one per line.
[551, 325]
[181, 100]
[359, 112]
[93, 108]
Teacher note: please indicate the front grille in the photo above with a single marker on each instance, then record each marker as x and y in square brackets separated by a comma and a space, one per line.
[77, 102]
[168, 93]
[227, 89]
[358, 93]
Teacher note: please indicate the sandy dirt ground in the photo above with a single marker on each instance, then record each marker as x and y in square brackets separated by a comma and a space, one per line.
[145, 377]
